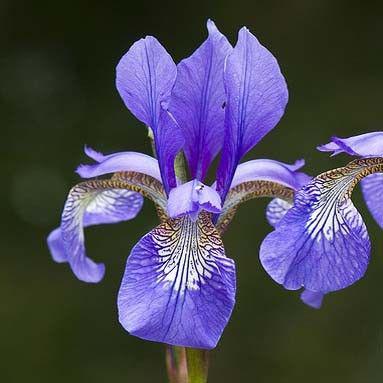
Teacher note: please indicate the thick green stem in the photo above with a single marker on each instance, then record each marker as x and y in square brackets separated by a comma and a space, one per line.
[186, 365]
[197, 364]
[176, 364]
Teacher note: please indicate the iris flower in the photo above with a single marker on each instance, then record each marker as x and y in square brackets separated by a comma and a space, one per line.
[322, 243]
[179, 287]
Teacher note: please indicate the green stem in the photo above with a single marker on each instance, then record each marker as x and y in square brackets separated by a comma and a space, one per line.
[176, 364]
[197, 363]
[186, 365]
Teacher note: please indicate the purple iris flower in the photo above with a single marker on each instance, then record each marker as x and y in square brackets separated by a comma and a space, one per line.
[321, 243]
[179, 287]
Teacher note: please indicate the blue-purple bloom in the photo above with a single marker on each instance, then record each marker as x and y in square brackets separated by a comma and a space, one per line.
[179, 286]
[322, 244]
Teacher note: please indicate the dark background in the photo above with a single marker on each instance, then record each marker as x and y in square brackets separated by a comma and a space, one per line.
[57, 63]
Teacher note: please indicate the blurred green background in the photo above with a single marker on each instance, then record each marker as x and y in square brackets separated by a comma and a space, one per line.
[57, 63]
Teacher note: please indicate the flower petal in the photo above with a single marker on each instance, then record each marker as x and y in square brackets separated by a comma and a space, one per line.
[119, 162]
[198, 98]
[93, 154]
[96, 202]
[276, 210]
[145, 77]
[261, 178]
[256, 99]
[322, 243]
[192, 197]
[312, 298]
[56, 246]
[86, 207]
[363, 145]
[372, 188]
[178, 287]
[270, 170]
[168, 142]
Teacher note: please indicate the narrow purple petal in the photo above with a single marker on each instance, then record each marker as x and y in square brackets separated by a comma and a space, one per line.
[256, 99]
[119, 162]
[192, 197]
[93, 154]
[198, 99]
[276, 210]
[372, 188]
[169, 142]
[178, 287]
[322, 243]
[145, 77]
[84, 208]
[363, 145]
[270, 170]
[312, 298]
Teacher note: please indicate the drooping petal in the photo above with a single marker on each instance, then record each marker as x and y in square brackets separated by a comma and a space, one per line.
[271, 170]
[363, 145]
[145, 77]
[312, 298]
[276, 210]
[197, 101]
[256, 99]
[178, 287]
[119, 162]
[66, 243]
[96, 202]
[372, 188]
[56, 246]
[110, 206]
[322, 243]
[192, 197]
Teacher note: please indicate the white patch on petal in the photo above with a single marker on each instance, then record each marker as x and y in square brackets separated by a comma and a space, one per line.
[331, 210]
[276, 210]
[116, 204]
[187, 252]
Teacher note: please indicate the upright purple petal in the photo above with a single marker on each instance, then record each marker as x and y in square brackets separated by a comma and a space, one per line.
[312, 298]
[198, 99]
[192, 197]
[145, 77]
[372, 188]
[169, 142]
[178, 287]
[119, 162]
[363, 145]
[86, 207]
[322, 243]
[256, 99]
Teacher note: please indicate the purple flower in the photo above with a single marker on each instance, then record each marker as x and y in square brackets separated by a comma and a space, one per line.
[179, 286]
[321, 243]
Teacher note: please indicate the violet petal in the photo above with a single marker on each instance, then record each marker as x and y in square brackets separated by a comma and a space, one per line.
[178, 287]
[256, 99]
